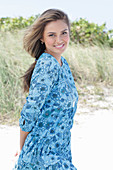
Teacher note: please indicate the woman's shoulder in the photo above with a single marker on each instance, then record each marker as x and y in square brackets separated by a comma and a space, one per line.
[47, 60]
[45, 64]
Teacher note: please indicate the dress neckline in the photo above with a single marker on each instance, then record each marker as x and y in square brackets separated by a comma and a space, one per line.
[56, 59]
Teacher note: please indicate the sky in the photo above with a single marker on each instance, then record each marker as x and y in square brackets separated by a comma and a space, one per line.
[97, 11]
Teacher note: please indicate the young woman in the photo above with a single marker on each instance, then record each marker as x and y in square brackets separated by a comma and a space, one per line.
[47, 115]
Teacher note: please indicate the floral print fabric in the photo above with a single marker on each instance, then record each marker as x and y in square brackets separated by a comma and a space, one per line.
[48, 116]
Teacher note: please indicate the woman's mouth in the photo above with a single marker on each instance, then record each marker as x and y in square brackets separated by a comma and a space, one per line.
[59, 46]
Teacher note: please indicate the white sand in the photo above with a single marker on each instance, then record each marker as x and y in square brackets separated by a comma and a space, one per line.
[92, 142]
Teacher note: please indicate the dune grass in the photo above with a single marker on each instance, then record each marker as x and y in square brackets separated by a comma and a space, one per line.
[13, 62]
[89, 65]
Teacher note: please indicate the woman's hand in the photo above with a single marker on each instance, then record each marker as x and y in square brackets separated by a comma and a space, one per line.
[15, 157]
[17, 153]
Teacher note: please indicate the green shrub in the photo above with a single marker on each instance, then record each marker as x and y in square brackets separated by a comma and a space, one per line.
[82, 32]
[10, 24]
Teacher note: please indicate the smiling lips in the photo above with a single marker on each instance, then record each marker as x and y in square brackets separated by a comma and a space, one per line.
[59, 46]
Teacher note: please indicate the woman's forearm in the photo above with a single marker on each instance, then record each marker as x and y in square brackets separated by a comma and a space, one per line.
[23, 136]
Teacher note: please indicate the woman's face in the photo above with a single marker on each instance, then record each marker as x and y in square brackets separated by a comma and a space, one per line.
[56, 37]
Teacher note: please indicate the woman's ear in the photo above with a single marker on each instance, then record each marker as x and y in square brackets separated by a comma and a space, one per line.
[42, 41]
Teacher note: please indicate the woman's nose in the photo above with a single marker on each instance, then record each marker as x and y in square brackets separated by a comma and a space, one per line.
[58, 39]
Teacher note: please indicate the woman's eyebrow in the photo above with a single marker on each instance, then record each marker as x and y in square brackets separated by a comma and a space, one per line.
[55, 32]
[51, 32]
[64, 30]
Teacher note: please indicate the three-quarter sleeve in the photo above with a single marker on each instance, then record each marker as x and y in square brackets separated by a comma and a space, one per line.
[44, 75]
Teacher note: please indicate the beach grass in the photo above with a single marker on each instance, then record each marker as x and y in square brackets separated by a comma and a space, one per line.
[90, 65]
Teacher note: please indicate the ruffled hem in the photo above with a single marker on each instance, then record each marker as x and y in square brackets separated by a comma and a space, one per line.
[60, 165]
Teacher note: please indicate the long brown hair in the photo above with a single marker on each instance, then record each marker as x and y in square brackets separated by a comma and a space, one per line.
[32, 43]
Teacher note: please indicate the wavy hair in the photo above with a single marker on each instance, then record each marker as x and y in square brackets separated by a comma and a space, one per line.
[32, 39]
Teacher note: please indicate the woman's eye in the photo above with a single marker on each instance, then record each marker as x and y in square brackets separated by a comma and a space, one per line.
[51, 35]
[64, 33]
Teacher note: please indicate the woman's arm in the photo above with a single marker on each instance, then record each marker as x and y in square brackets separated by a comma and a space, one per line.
[23, 136]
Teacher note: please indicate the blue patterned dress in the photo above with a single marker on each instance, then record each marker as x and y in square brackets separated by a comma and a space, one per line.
[48, 116]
